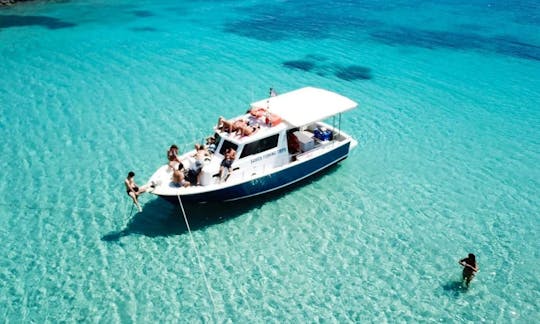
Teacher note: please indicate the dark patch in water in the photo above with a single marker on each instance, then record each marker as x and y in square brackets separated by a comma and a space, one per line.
[454, 288]
[503, 45]
[143, 13]
[353, 72]
[318, 64]
[511, 46]
[8, 21]
[289, 19]
[299, 65]
[262, 28]
[144, 29]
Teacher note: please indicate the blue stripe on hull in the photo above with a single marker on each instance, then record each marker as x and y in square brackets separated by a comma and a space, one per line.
[271, 182]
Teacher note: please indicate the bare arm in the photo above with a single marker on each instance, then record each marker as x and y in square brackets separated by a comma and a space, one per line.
[465, 264]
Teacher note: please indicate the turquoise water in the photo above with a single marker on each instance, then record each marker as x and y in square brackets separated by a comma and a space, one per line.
[447, 162]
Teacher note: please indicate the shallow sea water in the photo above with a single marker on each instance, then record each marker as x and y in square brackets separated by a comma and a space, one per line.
[447, 162]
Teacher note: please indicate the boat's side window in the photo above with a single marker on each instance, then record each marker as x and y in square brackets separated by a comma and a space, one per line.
[260, 145]
[226, 145]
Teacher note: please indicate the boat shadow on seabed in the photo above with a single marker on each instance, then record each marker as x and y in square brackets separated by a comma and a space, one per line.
[161, 218]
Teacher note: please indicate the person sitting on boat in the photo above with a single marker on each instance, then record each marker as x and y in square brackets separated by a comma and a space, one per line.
[225, 125]
[178, 179]
[230, 155]
[173, 157]
[133, 190]
[201, 155]
[211, 144]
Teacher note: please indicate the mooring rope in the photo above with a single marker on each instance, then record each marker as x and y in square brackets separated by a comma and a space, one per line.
[198, 255]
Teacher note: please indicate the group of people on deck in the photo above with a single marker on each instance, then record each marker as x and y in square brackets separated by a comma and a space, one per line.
[183, 177]
[239, 127]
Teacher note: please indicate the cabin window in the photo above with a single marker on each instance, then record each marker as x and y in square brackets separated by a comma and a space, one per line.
[226, 144]
[260, 146]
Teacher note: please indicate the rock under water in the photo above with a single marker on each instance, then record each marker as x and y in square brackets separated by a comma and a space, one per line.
[10, 2]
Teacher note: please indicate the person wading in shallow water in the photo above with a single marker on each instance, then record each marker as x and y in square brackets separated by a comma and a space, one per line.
[469, 268]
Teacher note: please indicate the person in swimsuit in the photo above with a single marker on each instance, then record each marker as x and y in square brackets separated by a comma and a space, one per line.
[231, 126]
[227, 162]
[178, 179]
[201, 156]
[133, 190]
[225, 125]
[201, 153]
[246, 129]
[469, 268]
[211, 144]
[172, 156]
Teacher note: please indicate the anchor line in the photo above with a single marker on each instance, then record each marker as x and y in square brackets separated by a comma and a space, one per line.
[198, 255]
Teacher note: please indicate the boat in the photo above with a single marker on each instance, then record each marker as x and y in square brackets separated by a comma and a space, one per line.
[278, 141]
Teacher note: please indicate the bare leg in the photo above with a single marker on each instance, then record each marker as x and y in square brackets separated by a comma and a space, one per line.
[468, 281]
[228, 174]
[145, 188]
[133, 196]
[221, 171]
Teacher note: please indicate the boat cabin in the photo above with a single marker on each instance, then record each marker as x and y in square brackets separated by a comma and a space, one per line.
[271, 141]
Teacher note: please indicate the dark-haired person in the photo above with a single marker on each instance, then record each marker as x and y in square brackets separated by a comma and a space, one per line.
[173, 157]
[133, 190]
[469, 268]
[178, 179]
[230, 155]
[211, 144]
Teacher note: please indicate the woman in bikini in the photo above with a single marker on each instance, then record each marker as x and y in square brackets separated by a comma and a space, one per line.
[246, 130]
[178, 179]
[172, 156]
[469, 268]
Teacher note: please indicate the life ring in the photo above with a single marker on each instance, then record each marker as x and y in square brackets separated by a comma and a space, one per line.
[257, 112]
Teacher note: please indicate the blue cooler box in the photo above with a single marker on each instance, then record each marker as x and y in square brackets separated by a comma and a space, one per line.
[323, 134]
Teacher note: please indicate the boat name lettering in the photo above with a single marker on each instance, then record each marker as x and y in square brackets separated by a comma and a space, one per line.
[266, 156]
[256, 159]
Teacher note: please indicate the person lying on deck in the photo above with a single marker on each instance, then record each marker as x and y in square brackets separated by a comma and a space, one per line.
[240, 126]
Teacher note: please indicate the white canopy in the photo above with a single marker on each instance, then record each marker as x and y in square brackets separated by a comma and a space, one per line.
[306, 105]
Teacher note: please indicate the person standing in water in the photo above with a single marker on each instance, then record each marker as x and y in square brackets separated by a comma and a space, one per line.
[133, 190]
[469, 268]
